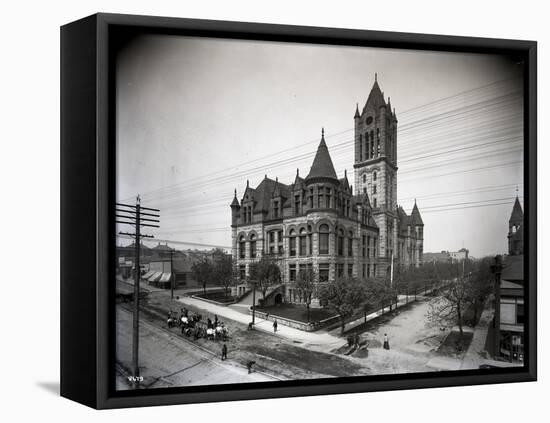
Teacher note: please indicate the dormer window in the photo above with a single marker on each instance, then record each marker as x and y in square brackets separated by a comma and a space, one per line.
[275, 209]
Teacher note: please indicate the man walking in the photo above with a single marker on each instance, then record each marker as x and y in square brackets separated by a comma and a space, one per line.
[224, 352]
[275, 326]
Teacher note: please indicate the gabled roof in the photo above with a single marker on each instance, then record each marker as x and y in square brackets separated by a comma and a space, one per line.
[264, 192]
[403, 219]
[415, 218]
[322, 166]
[517, 212]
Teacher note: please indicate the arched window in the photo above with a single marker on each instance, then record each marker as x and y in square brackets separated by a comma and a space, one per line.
[350, 244]
[360, 147]
[323, 239]
[303, 242]
[292, 243]
[252, 246]
[374, 176]
[242, 247]
[365, 179]
[340, 242]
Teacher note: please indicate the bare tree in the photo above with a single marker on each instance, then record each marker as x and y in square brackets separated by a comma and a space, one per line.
[343, 296]
[223, 271]
[203, 271]
[266, 273]
[450, 306]
[305, 283]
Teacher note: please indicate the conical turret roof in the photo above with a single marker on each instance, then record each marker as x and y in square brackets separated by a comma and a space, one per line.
[322, 166]
[517, 212]
[376, 98]
[235, 202]
[415, 216]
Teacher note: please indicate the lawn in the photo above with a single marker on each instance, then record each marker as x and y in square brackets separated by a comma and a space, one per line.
[218, 296]
[297, 312]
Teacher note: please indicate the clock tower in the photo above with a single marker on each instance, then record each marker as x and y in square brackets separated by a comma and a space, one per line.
[376, 169]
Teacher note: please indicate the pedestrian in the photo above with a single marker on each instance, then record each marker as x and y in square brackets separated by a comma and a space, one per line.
[215, 320]
[249, 365]
[386, 342]
[224, 352]
[209, 323]
[275, 325]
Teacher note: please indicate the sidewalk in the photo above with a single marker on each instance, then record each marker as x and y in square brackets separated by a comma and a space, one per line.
[473, 357]
[319, 341]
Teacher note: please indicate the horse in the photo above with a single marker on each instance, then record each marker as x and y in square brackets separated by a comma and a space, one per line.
[221, 332]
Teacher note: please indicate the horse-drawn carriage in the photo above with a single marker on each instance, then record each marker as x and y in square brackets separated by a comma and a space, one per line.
[193, 325]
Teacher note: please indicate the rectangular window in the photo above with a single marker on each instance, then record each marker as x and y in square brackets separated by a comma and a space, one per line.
[350, 247]
[368, 246]
[520, 317]
[296, 204]
[242, 249]
[350, 270]
[374, 270]
[363, 243]
[323, 272]
[292, 272]
[242, 273]
[340, 270]
[275, 209]
[374, 203]
[280, 242]
[368, 271]
[364, 270]
[327, 205]
[374, 189]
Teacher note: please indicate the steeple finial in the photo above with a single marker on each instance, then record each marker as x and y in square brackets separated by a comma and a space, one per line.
[297, 171]
[235, 192]
[375, 76]
[247, 183]
[323, 133]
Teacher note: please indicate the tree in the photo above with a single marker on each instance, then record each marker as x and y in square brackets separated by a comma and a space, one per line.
[305, 283]
[379, 292]
[266, 273]
[450, 306]
[203, 271]
[343, 296]
[223, 271]
[481, 285]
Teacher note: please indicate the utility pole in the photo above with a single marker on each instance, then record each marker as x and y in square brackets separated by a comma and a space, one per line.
[253, 302]
[172, 273]
[132, 215]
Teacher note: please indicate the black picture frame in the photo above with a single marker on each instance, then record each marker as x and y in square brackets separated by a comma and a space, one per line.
[87, 197]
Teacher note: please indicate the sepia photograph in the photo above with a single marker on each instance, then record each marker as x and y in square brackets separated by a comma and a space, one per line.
[291, 211]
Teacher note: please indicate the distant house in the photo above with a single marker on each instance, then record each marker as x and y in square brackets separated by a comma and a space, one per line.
[446, 256]
[442, 257]
[509, 316]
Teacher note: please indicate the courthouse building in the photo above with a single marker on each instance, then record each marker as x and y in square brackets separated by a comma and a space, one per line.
[322, 222]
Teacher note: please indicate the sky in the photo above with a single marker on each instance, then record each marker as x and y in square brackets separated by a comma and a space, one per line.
[197, 117]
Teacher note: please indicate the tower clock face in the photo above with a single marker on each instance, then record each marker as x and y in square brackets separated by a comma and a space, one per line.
[369, 120]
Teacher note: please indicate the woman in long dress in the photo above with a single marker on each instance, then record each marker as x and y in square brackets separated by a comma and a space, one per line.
[386, 342]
